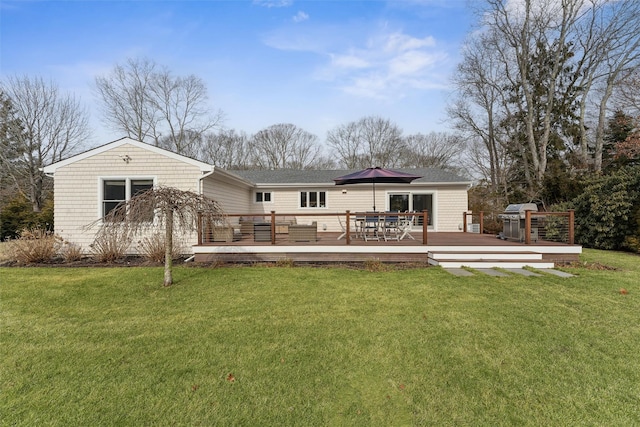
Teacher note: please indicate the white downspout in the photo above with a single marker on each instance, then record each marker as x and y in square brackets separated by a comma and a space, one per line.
[201, 179]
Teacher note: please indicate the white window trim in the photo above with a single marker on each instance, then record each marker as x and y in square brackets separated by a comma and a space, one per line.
[434, 203]
[263, 193]
[127, 179]
[326, 199]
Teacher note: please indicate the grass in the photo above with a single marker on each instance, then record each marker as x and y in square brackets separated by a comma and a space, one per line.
[311, 346]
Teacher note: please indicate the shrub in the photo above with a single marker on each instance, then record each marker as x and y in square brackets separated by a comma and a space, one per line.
[633, 242]
[34, 245]
[70, 252]
[153, 248]
[111, 244]
[18, 215]
[606, 211]
[492, 225]
[375, 265]
[285, 263]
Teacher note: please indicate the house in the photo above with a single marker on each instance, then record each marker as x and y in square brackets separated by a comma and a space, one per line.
[88, 185]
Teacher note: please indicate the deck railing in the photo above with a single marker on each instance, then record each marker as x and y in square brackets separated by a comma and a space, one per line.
[466, 216]
[547, 226]
[262, 224]
[551, 226]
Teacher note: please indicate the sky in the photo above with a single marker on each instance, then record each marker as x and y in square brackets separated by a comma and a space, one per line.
[315, 64]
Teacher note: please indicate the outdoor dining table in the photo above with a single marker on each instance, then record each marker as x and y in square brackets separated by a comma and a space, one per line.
[377, 225]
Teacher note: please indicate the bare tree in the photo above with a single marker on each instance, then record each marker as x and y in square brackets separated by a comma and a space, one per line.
[371, 141]
[435, 150]
[52, 125]
[628, 93]
[284, 146]
[227, 149]
[383, 141]
[607, 50]
[181, 102]
[536, 81]
[481, 105]
[537, 36]
[126, 101]
[174, 209]
[148, 103]
[346, 142]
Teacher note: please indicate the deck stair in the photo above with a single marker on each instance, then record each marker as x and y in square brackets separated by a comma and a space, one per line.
[487, 259]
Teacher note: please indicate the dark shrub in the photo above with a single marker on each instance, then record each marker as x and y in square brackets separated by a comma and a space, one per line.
[607, 211]
[18, 215]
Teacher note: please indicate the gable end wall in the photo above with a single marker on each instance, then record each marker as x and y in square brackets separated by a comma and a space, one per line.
[77, 187]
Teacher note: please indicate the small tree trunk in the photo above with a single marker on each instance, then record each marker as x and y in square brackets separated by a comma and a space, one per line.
[168, 250]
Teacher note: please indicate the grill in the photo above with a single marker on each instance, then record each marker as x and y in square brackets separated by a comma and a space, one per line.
[513, 222]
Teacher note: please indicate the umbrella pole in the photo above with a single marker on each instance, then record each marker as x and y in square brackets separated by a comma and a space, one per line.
[374, 194]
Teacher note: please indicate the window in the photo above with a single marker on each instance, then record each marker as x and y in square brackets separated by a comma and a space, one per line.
[313, 199]
[263, 197]
[117, 191]
[413, 202]
[114, 194]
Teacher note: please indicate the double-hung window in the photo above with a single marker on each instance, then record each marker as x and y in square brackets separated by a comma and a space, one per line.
[119, 190]
[313, 199]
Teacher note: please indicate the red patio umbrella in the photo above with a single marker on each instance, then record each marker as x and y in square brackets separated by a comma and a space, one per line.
[373, 175]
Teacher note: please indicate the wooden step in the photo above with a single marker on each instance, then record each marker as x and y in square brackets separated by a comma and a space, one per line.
[485, 255]
[482, 263]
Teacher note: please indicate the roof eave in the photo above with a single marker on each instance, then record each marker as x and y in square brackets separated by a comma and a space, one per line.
[51, 169]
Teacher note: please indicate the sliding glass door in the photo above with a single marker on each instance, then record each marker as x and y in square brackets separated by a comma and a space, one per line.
[420, 203]
[416, 202]
[399, 202]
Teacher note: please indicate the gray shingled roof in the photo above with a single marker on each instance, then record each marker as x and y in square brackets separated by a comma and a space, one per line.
[291, 176]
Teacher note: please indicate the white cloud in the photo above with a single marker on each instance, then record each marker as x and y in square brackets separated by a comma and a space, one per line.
[373, 62]
[398, 42]
[348, 61]
[273, 3]
[390, 65]
[412, 62]
[300, 17]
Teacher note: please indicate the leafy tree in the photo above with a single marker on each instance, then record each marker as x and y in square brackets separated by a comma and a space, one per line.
[628, 151]
[10, 130]
[620, 127]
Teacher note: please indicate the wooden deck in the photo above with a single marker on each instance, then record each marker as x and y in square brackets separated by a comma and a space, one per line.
[472, 249]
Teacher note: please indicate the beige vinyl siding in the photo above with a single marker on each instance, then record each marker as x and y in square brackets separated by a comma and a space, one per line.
[451, 205]
[78, 191]
[449, 202]
[233, 196]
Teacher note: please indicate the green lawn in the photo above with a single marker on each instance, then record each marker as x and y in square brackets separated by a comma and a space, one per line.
[262, 346]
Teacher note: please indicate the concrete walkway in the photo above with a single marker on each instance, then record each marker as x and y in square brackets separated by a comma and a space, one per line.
[498, 273]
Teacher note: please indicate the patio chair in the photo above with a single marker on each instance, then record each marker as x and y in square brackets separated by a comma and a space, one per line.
[390, 228]
[358, 225]
[405, 224]
[343, 226]
[371, 227]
